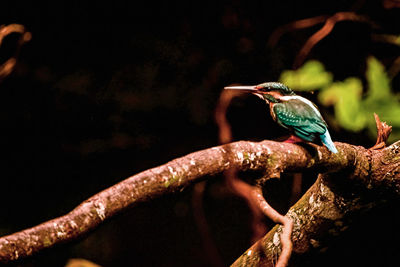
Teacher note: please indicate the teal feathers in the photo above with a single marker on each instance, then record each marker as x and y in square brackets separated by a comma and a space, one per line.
[293, 112]
[300, 116]
[327, 141]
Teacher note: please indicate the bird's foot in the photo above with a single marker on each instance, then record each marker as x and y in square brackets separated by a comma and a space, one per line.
[293, 139]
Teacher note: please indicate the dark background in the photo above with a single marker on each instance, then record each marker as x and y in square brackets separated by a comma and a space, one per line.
[106, 90]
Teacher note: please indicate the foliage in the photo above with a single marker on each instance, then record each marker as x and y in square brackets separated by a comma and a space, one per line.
[310, 76]
[353, 105]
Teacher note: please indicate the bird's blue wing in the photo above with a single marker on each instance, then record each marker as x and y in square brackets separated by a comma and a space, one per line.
[304, 120]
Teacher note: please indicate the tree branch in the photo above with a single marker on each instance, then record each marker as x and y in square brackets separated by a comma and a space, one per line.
[7, 67]
[325, 209]
[287, 227]
[273, 157]
[324, 31]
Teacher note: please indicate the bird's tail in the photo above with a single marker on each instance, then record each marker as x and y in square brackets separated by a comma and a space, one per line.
[327, 141]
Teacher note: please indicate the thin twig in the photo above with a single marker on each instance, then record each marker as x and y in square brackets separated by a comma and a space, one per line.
[7, 67]
[276, 217]
[236, 185]
[225, 98]
[296, 25]
[383, 132]
[323, 32]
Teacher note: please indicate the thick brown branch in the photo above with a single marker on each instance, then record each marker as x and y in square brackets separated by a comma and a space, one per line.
[325, 209]
[274, 157]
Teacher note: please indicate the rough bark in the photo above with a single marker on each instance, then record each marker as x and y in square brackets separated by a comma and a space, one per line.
[327, 207]
[372, 168]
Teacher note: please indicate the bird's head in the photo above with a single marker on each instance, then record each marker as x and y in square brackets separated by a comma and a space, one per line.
[270, 91]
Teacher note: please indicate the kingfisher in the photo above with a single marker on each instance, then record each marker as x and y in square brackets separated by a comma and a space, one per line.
[293, 112]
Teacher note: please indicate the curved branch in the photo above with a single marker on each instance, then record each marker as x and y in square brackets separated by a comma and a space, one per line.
[323, 32]
[287, 226]
[7, 67]
[273, 157]
[295, 25]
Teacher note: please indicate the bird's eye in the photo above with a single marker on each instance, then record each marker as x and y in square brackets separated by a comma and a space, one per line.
[262, 88]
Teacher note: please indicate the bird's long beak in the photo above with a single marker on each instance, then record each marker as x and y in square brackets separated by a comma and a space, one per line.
[248, 88]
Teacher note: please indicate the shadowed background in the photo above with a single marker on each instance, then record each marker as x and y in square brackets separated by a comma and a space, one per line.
[106, 90]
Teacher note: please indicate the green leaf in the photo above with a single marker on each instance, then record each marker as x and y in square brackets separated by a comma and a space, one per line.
[353, 112]
[346, 98]
[378, 82]
[380, 99]
[310, 76]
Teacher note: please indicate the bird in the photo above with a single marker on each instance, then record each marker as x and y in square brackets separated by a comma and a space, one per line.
[295, 113]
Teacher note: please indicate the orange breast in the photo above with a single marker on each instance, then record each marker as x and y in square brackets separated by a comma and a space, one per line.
[271, 110]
